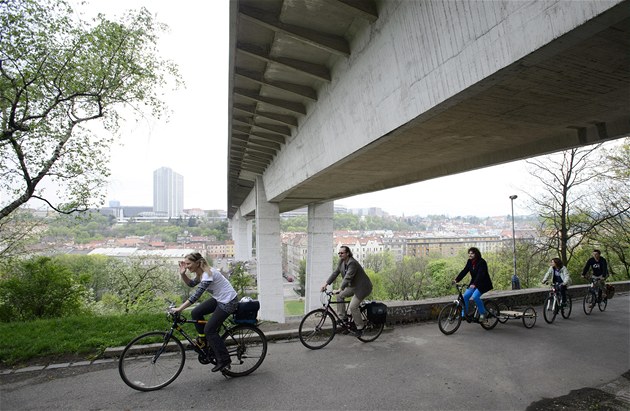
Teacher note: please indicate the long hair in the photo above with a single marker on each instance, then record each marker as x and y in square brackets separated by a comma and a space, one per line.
[198, 258]
[476, 251]
[558, 262]
[347, 250]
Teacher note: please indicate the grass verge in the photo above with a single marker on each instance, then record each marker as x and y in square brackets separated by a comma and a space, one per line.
[83, 336]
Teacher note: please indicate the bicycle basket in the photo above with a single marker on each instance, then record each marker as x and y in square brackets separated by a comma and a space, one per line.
[247, 312]
[376, 312]
[610, 291]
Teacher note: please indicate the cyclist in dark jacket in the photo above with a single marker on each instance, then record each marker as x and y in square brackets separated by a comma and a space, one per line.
[598, 264]
[480, 281]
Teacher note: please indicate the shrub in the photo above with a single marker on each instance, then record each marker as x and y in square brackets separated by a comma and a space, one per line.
[40, 288]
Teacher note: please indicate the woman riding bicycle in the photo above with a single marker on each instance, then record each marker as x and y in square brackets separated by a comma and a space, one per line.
[559, 276]
[480, 281]
[224, 302]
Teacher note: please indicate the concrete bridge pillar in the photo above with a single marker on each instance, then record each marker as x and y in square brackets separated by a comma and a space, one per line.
[242, 244]
[319, 251]
[269, 257]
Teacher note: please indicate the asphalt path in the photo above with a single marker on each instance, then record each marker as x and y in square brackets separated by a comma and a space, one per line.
[411, 367]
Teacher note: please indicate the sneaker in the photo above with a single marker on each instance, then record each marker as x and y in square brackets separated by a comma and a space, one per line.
[482, 318]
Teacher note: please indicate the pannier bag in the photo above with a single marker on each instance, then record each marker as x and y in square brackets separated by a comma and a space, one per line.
[377, 312]
[610, 291]
[247, 312]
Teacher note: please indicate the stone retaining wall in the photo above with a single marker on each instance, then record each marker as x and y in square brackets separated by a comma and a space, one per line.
[400, 312]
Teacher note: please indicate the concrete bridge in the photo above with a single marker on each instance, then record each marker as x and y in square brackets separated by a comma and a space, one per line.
[333, 98]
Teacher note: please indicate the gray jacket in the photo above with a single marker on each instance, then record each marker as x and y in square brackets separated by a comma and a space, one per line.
[353, 276]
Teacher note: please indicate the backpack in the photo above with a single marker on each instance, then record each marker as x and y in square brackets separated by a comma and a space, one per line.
[376, 312]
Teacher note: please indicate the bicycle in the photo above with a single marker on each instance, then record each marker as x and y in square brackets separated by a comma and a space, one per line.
[553, 305]
[155, 359]
[450, 317]
[594, 296]
[319, 326]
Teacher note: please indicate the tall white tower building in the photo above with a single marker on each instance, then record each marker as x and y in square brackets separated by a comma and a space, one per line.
[168, 192]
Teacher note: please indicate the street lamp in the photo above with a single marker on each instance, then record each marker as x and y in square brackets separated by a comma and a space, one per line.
[516, 283]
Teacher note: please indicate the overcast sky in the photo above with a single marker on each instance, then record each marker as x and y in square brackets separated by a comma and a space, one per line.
[194, 142]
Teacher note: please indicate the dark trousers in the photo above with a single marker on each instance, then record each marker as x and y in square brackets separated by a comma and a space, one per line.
[563, 292]
[211, 328]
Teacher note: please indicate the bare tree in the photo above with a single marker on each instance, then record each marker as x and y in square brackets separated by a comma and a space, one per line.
[570, 206]
[613, 235]
[17, 231]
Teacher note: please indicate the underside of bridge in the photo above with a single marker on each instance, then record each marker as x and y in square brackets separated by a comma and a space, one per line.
[574, 91]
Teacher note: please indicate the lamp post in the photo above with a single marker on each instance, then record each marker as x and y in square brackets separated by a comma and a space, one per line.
[516, 283]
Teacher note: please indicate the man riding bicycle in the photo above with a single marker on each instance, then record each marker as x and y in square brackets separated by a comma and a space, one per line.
[355, 283]
[599, 266]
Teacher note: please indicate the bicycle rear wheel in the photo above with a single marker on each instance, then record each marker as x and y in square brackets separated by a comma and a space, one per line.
[450, 318]
[602, 304]
[492, 315]
[566, 311]
[317, 329]
[550, 310]
[588, 303]
[371, 331]
[151, 361]
[247, 346]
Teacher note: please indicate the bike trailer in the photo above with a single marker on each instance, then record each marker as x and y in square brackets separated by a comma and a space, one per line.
[376, 312]
[247, 312]
[610, 291]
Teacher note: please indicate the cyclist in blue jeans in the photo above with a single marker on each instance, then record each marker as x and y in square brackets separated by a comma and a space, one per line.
[480, 281]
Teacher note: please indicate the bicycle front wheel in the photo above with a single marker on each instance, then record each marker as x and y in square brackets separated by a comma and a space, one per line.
[588, 303]
[450, 318]
[247, 346]
[566, 311]
[371, 331]
[549, 310]
[151, 361]
[492, 315]
[317, 329]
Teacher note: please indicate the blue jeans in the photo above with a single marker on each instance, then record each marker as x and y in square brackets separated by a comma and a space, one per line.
[476, 295]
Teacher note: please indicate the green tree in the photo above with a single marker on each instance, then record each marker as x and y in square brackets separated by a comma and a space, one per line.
[240, 278]
[379, 262]
[302, 278]
[40, 288]
[138, 284]
[407, 279]
[58, 75]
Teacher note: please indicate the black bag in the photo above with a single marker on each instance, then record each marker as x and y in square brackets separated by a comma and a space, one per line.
[610, 291]
[247, 312]
[376, 312]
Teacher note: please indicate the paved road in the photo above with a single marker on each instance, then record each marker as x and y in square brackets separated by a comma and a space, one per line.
[412, 367]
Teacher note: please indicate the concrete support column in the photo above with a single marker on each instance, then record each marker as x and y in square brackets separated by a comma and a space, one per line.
[319, 252]
[242, 247]
[250, 231]
[268, 257]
